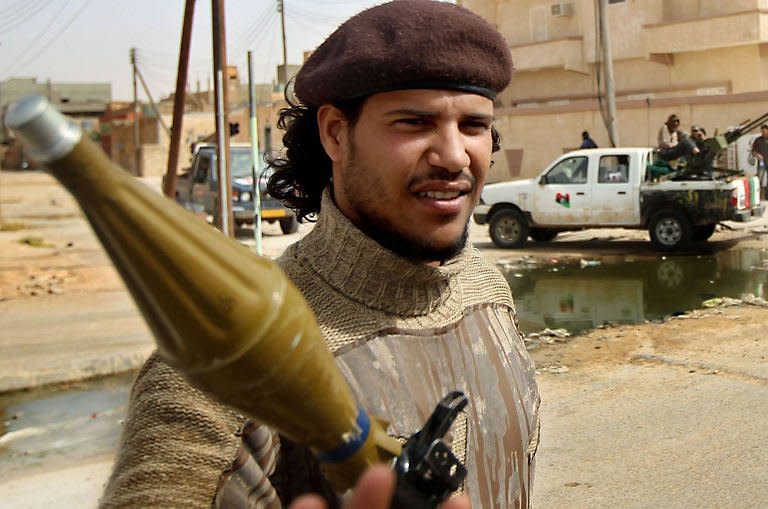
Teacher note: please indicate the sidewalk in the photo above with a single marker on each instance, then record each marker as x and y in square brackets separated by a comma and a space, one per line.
[89, 326]
[675, 421]
[61, 338]
[654, 415]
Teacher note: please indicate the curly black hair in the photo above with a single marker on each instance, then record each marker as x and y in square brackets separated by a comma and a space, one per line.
[304, 170]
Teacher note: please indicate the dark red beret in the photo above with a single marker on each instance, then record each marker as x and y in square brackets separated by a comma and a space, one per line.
[406, 44]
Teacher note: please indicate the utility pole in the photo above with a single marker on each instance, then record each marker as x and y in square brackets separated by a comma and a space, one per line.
[222, 122]
[256, 168]
[281, 10]
[136, 131]
[152, 103]
[608, 64]
[179, 99]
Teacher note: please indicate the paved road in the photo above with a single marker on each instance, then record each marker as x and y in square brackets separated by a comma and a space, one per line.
[92, 326]
[657, 433]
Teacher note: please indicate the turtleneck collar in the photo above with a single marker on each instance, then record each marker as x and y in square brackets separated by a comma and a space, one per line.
[358, 267]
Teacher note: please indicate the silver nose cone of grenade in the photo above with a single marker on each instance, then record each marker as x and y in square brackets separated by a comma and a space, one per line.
[47, 134]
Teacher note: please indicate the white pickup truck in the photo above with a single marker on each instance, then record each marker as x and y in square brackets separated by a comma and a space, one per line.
[611, 188]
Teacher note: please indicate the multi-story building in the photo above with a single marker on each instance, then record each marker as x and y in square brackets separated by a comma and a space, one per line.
[705, 60]
[198, 124]
[85, 102]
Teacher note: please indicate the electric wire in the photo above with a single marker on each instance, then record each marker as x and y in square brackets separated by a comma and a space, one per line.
[271, 60]
[63, 28]
[308, 27]
[18, 17]
[13, 7]
[320, 16]
[41, 35]
[254, 30]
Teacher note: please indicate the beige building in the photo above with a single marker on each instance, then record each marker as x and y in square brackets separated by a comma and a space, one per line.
[83, 102]
[705, 60]
[198, 124]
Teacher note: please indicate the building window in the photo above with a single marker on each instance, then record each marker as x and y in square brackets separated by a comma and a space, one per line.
[616, 1]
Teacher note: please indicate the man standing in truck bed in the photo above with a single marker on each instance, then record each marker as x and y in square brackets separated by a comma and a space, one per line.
[760, 151]
[388, 147]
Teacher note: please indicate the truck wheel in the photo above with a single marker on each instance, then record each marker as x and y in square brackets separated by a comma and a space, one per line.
[289, 224]
[703, 232]
[543, 234]
[670, 230]
[508, 228]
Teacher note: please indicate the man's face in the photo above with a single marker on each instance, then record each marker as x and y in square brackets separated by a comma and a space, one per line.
[410, 171]
[764, 132]
[697, 134]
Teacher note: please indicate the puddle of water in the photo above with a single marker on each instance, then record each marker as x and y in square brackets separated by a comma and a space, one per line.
[62, 423]
[581, 294]
[73, 421]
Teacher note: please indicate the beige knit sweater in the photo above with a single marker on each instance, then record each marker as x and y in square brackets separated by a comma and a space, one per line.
[177, 442]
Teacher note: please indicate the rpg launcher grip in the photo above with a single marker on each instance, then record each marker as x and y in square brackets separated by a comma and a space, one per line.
[427, 471]
[230, 321]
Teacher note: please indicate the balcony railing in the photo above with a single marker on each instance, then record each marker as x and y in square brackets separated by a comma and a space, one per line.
[747, 27]
[566, 53]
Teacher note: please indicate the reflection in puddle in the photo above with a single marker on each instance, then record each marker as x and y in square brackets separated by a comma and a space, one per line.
[65, 422]
[581, 294]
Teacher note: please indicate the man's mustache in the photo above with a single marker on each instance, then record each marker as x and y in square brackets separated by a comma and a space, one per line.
[446, 176]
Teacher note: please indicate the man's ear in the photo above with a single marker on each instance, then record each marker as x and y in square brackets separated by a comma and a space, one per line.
[332, 125]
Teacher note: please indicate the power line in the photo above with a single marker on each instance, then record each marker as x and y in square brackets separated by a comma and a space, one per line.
[254, 31]
[164, 60]
[11, 22]
[311, 15]
[268, 62]
[40, 36]
[14, 8]
[320, 31]
[58, 34]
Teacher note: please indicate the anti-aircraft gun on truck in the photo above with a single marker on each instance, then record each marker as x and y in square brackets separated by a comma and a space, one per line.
[679, 202]
[703, 165]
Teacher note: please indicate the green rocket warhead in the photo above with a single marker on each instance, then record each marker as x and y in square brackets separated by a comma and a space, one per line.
[230, 321]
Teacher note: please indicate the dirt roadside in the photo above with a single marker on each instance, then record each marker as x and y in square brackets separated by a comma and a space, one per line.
[653, 415]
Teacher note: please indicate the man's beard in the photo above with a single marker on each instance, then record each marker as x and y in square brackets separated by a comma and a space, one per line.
[385, 233]
[413, 248]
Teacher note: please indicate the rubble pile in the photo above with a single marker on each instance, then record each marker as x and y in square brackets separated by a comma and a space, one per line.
[748, 299]
[545, 337]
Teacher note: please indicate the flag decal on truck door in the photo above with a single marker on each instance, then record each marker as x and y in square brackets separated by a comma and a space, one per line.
[563, 199]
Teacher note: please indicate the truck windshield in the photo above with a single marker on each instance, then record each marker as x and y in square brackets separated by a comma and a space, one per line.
[241, 163]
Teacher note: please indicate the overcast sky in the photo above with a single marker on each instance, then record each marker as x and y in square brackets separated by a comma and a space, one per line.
[90, 40]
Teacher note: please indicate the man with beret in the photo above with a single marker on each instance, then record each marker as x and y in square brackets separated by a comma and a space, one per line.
[387, 146]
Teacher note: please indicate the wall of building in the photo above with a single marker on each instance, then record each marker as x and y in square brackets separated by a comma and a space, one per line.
[705, 60]
[124, 148]
[83, 101]
[538, 136]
